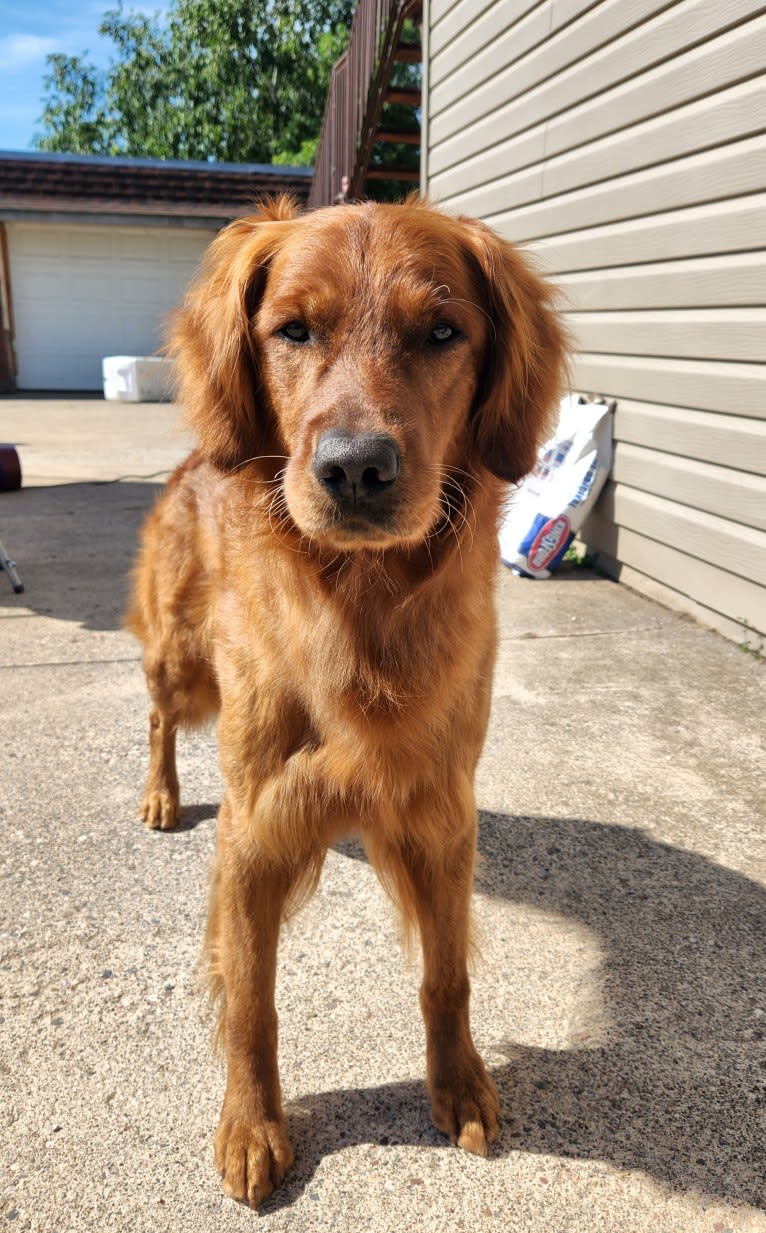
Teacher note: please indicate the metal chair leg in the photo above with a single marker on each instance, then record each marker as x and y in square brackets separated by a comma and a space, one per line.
[9, 567]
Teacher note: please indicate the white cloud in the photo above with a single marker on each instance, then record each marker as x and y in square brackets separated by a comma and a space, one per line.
[18, 50]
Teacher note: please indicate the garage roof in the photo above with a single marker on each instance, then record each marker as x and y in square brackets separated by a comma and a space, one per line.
[34, 183]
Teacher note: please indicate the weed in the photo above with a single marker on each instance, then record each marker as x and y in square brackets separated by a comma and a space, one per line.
[754, 644]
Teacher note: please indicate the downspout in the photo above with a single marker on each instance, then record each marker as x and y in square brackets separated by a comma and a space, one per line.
[8, 366]
[425, 44]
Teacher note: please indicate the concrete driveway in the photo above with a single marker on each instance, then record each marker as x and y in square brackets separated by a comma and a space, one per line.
[621, 998]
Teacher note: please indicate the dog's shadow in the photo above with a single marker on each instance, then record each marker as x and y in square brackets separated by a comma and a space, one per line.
[192, 816]
[677, 1089]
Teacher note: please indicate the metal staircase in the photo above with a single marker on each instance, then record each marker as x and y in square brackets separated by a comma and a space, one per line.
[371, 127]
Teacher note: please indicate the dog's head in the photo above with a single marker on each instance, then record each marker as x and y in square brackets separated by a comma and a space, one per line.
[378, 354]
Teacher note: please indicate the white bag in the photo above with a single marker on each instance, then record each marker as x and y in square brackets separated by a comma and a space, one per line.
[548, 508]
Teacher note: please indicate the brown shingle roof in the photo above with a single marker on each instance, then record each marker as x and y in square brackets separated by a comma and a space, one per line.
[42, 182]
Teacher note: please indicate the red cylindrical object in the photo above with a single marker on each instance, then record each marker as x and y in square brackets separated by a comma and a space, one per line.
[10, 469]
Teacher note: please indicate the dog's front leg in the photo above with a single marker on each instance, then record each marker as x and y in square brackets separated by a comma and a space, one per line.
[435, 883]
[251, 1149]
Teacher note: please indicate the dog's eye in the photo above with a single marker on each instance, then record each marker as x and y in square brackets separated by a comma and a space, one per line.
[295, 331]
[442, 333]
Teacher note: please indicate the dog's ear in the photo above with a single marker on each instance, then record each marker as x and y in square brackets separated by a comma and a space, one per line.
[212, 340]
[525, 362]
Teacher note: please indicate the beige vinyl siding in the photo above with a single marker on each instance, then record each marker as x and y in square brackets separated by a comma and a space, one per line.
[623, 143]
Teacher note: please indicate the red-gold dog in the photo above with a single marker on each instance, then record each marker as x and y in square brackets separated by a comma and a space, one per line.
[364, 381]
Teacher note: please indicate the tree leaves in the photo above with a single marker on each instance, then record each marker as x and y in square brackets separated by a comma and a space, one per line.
[213, 80]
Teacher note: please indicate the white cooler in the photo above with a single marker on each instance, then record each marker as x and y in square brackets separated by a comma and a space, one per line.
[137, 378]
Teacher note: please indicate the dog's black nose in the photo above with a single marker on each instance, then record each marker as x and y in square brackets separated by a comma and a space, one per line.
[356, 466]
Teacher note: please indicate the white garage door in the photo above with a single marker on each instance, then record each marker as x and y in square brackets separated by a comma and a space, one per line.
[83, 292]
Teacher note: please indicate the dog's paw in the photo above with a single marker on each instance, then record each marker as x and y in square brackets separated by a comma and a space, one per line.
[252, 1159]
[467, 1107]
[159, 809]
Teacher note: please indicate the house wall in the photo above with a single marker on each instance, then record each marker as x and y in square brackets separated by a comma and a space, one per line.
[622, 142]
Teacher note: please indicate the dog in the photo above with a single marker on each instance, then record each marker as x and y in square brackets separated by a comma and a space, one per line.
[364, 384]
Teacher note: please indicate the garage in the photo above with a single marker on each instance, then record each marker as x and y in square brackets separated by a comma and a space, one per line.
[95, 253]
[83, 292]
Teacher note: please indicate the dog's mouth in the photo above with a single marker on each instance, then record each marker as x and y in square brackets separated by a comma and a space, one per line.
[355, 524]
[352, 528]
[359, 526]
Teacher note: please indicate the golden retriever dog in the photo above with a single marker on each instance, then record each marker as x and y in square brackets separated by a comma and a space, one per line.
[364, 383]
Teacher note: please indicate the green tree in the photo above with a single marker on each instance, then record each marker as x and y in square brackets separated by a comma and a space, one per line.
[74, 112]
[212, 79]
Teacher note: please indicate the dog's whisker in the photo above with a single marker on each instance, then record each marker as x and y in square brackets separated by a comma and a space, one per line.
[457, 506]
[258, 458]
[454, 299]
[474, 480]
[283, 522]
[273, 482]
[466, 509]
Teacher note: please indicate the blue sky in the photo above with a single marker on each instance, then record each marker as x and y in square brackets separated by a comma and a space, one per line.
[30, 30]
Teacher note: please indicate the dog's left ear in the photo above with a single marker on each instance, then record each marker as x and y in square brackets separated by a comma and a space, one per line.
[525, 362]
